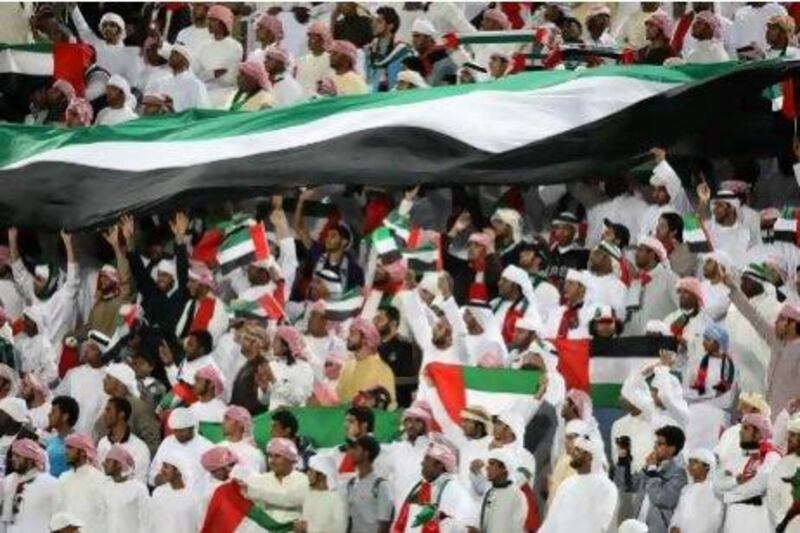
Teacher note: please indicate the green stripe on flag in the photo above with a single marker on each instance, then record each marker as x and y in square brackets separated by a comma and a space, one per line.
[503, 380]
[605, 394]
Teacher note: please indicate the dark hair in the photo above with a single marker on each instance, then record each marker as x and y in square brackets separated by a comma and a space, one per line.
[393, 314]
[122, 405]
[618, 327]
[205, 339]
[364, 415]
[675, 224]
[287, 420]
[68, 406]
[390, 16]
[370, 445]
[673, 435]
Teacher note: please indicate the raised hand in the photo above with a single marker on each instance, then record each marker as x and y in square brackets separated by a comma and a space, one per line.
[111, 236]
[659, 154]
[126, 222]
[179, 224]
[703, 193]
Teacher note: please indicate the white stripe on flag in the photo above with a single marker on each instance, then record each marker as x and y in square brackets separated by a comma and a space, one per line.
[615, 369]
[492, 121]
[235, 252]
[500, 402]
[26, 62]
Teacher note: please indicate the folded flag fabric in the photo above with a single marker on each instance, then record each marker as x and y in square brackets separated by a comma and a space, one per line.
[787, 225]
[695, 236]
[269, 305]
[229, 511]
[424, 258]
[322, 426]
[244, 242]
[345, 306]
[386, 245]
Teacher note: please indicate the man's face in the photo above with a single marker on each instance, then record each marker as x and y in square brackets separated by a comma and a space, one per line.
[702, 31]
[662, 230]
[414, 427]
[501, 229]
[92, 353]
[231, 428]
[746, 409]
[274, 66]
[29, 326]
[597, 25]
[54, 418]
[353, 428]
[316, 43]
[522, 338]
[569, 411]
[431, 469]
[659, 194]
[333, 239]
[475, 251]
[599, 261]
[529, 261]
[722, 211]
[750, 287]
[710, 268]
[317, 324]
[687, 300]
[784, 327]
[652, 32]
[496, 471]
[421, 42]
[114, 96]
[442, 334]
[470, 428]
[360, 455]
[698, 470]
[177, 62]
[502, 433]
[279, 431]
[169, 473]
[265, 35]
[488, 24]
[141, 366]
[317, 290]
[748, 437]
[199, 11]
[644, 256]
[505, 288]
[775, 36]
[111, 32]
[202, 387]
[605, 329]
[21, 465]
[184, 435]
[573, 291]
[579, 458]
[382, 323]
[664, 452]
[192, 347]
[379, 26]
[73, 456]
[279, 464]
[110, 415]
[354, 340]
[194, 287]
[497, 69]
[257, 275]
[217, 28]
[793, 443]
[563, 234]
[112, 468]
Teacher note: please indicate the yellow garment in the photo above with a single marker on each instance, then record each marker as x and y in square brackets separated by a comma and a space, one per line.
[261, 100]
[349, 83]
[561, 472]
[365, 374]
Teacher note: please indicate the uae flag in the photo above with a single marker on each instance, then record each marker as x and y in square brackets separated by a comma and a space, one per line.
[229, 511]
[386, 246]
[423, 258]
[266, 306]
[323, 427]
[694, 235]
[243, 244]
[786, 227]
[27, 68]
[534, 128]
[348, 305]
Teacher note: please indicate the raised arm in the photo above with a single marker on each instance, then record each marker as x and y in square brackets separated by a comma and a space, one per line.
[762, 327]
[299, 222]
[288, 259]
[111, 236]
[84, 31]
[22, 277]
[179, 225]
[73, 283]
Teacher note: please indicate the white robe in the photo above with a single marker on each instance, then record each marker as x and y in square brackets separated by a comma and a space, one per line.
[779, 493]
[116, 59]
[749, 351]
[282, 498]
[733, 240]
[608, 290]
[175, 511]
[293, 384]
[311, 70]
[108, 116]
[191, 451]
[11, 299]
[186, 91]
[582, 504]
[38, 356]
[287, 90]
[213, 411]
[325, 512]
[404, 461]
[194, 38]
[215, 55]
[128, 505]
[250, 456]
[85, 385]
[454, 502]
[744, 518]
[504, 510]
[81, 494]
[37, 505]
[699, 509]
[750, 24]
[709, 51]
[134, 446]
[641, 432]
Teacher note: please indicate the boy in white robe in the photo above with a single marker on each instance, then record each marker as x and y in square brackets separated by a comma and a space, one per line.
[81, 489]
[324, 509]
[183, 442]
[504, 507]
[126, 497]
[208, 387]
[174, 506]
[237, 426]
[699, 509]
[35, 488]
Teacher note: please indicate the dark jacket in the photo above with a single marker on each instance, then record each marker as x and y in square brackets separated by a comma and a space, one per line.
[662, 486]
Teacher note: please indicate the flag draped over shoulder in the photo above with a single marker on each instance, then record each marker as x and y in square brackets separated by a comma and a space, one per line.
[230, 511]
[504, 134]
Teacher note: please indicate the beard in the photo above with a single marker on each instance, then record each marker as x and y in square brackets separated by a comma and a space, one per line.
[353, 346]
[748, 445]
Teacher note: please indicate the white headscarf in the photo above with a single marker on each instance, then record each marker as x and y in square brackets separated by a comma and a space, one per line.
[122, 84]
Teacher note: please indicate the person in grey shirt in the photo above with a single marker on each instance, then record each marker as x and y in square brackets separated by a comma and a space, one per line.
[369, 502]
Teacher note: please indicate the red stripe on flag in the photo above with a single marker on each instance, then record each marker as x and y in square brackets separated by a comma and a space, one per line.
[206, 249]
[573, 362]
[797, 227]
[788, 107]
[448, 380]
[414, 237]
[226, 510]
[184, 392]
[271, 306]
[259, 237]
[70, 61]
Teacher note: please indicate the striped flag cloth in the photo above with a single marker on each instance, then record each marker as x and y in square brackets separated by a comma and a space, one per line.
[424, 258]
[268, 306]
[385, 243]
[230, 511]
[245, 242]
[345, 306]
[694, 235]
[786, 227]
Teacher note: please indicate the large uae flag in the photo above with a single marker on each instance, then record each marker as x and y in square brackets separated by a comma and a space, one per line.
[537, 127]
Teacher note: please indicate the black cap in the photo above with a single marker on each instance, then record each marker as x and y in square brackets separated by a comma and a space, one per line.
[621, 233]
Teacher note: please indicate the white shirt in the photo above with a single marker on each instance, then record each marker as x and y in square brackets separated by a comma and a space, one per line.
[194, 38]
[81, 494]
[312, 69]
[287, 90]
[127, 504]
[175, 511]
[108, 116]
[11, 299]
[85, 384]
[699, 509]
[250, 456]
[547, 299]
[708, 51]
[779, 493]
[405, 464]
[324, 512]
[750, 24]
[186, 91]
[734, 240]
[580, 332]
[134, 446]
[191, 451]
[454, 502]
[213, 411]
[37, 504]
[293, 384]
[608, 290]
[295, 36]
[716, 300]
[750, 352]
[40, 416]
[37, 356]
[583, 503]
[689, 42]
[215, 55]
[640, 430]
[116, 59]
[283, 497]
